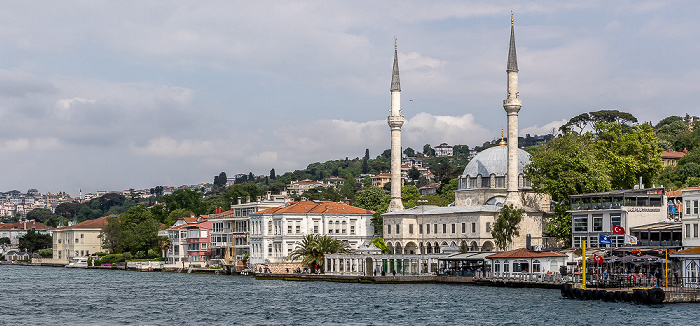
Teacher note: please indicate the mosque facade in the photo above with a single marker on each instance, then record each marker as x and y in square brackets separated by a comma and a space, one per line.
[483, 188]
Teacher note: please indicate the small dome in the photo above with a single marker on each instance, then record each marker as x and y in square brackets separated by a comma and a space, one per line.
[494, 160]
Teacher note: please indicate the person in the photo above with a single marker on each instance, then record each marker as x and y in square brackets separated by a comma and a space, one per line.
[393, 271]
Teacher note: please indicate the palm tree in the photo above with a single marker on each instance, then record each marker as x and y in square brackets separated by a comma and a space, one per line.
[313, 248]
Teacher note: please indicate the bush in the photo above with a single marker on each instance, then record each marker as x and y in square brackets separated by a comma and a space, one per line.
[153, 253]
[46, 252]
[140, 255]
[101, 254]
[109, 259]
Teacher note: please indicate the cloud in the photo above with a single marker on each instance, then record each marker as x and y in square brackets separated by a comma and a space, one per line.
[546, 129]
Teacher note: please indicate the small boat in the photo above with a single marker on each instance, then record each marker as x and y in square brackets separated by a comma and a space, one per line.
[78, 262]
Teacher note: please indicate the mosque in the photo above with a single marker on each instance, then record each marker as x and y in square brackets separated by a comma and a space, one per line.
[484, 187]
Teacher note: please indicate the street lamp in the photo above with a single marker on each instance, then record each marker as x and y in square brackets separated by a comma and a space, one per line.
[422, 202]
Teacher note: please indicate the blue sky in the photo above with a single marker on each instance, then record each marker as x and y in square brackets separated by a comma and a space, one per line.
[133, 94]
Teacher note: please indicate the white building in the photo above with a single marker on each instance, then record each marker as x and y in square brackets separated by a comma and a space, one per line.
[443, 150]
[596, 213]
[274, 232]
[691, 217]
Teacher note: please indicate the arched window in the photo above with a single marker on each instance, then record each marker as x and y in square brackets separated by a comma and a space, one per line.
[536, 266]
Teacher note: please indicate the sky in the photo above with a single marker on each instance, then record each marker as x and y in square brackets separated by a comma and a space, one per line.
[112, 95]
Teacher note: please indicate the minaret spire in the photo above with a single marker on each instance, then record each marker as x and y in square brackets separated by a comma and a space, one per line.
[512, 105]
[395, 82]
[395, 121]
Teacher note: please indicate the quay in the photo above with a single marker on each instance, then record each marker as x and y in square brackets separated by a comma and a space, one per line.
[347, 278]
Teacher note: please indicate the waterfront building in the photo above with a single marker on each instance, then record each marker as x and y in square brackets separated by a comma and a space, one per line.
[17, 230]
[230, 239]
[691, 217]
[395, 121]
[690, 262]
[524, 260]
[596, 213]
[79, 240]
[274, 232]
[178, 253]
[494, 177]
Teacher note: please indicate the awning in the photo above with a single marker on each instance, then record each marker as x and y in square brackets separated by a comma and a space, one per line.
[469, 256]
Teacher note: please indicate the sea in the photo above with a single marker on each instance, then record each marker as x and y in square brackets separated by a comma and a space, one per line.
[33, 295]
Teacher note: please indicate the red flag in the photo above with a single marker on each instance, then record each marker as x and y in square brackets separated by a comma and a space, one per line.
[618, 229]
[598, 259]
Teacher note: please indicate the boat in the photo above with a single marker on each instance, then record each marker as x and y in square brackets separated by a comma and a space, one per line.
[78, 262]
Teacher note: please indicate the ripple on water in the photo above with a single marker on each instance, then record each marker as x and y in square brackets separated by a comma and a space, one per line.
[43, 295]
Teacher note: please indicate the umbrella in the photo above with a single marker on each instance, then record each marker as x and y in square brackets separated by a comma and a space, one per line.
[662, 261]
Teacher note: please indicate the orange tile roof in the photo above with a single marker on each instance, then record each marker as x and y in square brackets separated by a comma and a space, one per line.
[89, 224]
[525, 253]
[316, 207]
[689, 251]
[25, 226]
[672, 155]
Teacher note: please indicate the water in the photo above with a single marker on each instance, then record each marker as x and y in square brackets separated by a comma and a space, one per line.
[64, 296]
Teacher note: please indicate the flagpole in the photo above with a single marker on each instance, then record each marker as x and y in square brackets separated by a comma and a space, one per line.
[583, 282]
[666, 270]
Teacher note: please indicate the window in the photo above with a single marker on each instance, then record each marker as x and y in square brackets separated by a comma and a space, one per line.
[269, 249]
[427, 229]
[289, 229]
[454, 226]
[687, 232]
[581, 223]
[352, 228]
[464, 227]
[315, 228]
[497, 267]
[269, 227]
[298, 229]
[488, 226]
[473, 227]
[578, 241]
[397, 229]
[687, 207]
[616, 219]
[410, 228]
[536, 266]
[420, 228]
[204, 246]
[388, 229]
[695, 230]
[598, 222]
[435, 228]
[593, 241]
[695, 207]
[444, 228]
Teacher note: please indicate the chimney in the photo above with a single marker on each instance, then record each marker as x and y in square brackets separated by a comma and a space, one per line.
[528, 241]
[268, 195]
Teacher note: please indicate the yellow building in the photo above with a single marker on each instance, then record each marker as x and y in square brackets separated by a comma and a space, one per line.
[78, 240]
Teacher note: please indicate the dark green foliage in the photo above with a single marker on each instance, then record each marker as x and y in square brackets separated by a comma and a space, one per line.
[33, 241]
[40, 215]
[506, 226]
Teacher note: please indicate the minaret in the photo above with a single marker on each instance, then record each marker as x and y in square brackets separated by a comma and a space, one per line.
[512, 106]
[395, 121]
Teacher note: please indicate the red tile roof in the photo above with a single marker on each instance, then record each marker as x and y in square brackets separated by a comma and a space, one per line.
[25, 226]
[316, 207]
[98, 223]
[525, 253]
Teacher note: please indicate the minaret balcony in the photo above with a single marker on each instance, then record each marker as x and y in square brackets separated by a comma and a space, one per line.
[396, 121]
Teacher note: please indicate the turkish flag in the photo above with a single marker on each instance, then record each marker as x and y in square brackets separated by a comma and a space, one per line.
[618, 229]
[598, 259]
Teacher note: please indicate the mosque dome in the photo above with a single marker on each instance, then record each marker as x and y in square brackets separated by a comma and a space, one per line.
[489, 168]
[494, 160]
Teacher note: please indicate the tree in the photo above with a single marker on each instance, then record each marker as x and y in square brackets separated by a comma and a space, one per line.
[373, 198]
[409, 152]
[506, 226]
[413, 173]
[311, 250]
[40, 215]
[379, 243]
[251, 177]
[5, 241]
[220, 180]
[186, 199]
[33, 241]
[135, 231]
[347, 190]
[386, 153]
[273, 176]
[68, 209]
[428, 151]
[409, 195]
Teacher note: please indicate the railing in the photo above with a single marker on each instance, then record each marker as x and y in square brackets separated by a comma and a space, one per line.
[630, 281]
[660, 243]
